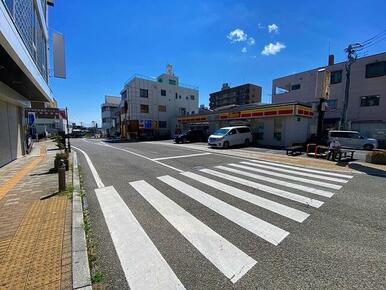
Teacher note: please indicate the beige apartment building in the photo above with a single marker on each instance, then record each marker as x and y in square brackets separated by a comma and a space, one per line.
[367, 103]
[240, 95]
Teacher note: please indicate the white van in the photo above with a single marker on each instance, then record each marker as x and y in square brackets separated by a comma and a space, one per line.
[230, 136]
[352, 139]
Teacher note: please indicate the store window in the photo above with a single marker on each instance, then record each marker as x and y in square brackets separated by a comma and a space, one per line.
[277, 129]
[162, 124]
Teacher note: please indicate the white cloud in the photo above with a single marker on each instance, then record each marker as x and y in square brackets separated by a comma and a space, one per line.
[273, 28]
[260, 26]
[237, 35]
[251, 41]
[272, 49]
[244, 50]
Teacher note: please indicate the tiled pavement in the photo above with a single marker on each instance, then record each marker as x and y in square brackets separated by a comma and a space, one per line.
[35, 235]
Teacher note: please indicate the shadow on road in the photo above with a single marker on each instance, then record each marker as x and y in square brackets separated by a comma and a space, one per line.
[368, 170]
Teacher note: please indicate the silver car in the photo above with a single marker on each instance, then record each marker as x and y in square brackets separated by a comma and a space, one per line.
[352, 139]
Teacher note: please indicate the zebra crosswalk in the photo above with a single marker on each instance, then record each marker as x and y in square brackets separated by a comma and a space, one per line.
[262, 185]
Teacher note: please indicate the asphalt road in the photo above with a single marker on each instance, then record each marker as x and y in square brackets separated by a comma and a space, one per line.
[247, 225]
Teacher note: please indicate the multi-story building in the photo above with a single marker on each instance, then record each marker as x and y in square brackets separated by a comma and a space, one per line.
[240, 95]
[110, 115]
[150, 106]
[367, 96]
[23, 69]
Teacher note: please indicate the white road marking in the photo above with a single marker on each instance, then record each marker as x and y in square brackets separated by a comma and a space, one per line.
[143, 265]
[269, 189]
[12, 199]
[297, 172]
[270, 205]
[92, 168]
[304, 169]
[230, 260]
[263, 229]
[181, 156]
[286, 176]
[11, 203]
[145, 157]
[275, 181]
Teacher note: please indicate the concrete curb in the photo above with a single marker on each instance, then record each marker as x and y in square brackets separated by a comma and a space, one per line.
[81, 278]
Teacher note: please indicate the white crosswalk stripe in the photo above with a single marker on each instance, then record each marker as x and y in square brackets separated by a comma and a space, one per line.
[297, 172]
[134, 247]
[275, 207]
[269, 189]
[230, 260]
[275, 180]
[290, 177]
[323, 172]
[259, 227]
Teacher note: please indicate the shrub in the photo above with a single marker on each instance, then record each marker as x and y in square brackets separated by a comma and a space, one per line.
[376, 156]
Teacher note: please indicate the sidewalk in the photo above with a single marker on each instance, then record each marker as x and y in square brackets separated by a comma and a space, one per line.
[35, 235]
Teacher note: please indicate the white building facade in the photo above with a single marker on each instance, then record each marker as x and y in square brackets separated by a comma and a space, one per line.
[367, 99]
[150, 106]
[110, 111]
[23, 70]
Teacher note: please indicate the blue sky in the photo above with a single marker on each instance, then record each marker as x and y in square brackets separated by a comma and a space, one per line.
[108, 41]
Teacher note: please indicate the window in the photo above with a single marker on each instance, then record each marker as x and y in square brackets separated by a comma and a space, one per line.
[143, 93]
[187, 97]
[376, 69]
[176, 96]
[192, 97]
[336, 77]
[369, 101]
[144, 108]
[182, 111]
[179, 97]
[244, 130]
[332, 104]
[193, 112]
[160, 80]
[232, 132]
[162, 124]
[295, 87]
[161, 108]
[172, 82]
[277, 129]
[163, 92]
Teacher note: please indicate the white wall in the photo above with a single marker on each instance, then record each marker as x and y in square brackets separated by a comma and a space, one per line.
[155, 99]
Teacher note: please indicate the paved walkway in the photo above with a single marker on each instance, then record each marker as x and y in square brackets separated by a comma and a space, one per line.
[35, 235]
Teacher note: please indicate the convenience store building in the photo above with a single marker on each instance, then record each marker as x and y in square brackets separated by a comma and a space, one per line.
[277, 125]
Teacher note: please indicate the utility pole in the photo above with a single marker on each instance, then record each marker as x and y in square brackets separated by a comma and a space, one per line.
[351, 58]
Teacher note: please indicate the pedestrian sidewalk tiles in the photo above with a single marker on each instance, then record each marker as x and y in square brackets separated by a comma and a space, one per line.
[35, 235]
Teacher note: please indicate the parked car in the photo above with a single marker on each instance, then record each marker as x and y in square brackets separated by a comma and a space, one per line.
[230, 136]
[190, 136]
[352, 139]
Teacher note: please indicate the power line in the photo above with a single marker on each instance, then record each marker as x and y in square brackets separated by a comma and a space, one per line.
[375, 37]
